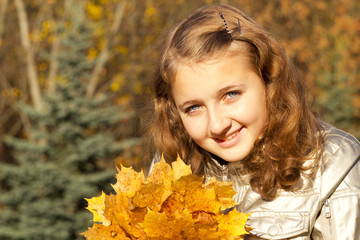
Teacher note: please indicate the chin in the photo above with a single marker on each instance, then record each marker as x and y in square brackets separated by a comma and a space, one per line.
[230, 158]
[236, 154]
[233, 160]
[234, 157]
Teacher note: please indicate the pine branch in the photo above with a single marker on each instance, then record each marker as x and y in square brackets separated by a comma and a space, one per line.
[54, 65]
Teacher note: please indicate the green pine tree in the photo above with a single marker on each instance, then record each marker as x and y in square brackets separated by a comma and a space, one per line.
[63, 158]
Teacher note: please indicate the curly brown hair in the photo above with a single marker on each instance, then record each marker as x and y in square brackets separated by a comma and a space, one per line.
[292, 133]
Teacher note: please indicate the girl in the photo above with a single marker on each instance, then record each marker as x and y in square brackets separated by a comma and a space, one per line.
[229, 102]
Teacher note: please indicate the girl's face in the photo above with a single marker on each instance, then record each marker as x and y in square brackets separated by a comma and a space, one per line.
[222, 104]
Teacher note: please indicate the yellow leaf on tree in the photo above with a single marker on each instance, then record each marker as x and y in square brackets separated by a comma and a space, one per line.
[93, 11]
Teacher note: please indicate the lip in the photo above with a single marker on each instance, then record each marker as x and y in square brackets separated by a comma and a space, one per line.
[229, 142]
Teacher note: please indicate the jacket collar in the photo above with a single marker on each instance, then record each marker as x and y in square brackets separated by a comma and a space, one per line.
[231, 171]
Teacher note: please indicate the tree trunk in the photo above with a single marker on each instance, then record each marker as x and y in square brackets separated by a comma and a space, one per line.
[104, 54]
[35, 92]
[3, 7]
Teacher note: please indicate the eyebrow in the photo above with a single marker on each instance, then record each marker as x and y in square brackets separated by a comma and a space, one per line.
[223, 90]
[190, 102]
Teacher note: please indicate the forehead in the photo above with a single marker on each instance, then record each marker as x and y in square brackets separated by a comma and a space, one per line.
[221, 63]
[200, 79]
[236, 49]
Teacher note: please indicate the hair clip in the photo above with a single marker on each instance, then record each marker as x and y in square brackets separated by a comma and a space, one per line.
[239, 26]
[226, 27]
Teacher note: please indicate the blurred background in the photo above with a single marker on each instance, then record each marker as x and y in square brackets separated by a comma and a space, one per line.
[74, 75]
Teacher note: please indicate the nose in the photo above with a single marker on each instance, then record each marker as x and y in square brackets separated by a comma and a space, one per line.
[218, 122]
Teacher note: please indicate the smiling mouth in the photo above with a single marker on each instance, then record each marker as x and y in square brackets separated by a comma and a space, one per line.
[228, 137]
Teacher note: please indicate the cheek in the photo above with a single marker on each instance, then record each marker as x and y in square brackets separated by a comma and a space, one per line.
[255, 113]
[194, 128]
[261, 116]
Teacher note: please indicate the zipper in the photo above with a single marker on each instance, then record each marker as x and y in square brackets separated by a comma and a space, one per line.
[327, 208]
[224, 173]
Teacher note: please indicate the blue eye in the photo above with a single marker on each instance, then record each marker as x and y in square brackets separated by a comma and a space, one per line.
[232, 94]
[192, 108]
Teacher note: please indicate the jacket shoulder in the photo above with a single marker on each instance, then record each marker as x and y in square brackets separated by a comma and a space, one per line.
[340, 187]
[339, 142]
[340, 163]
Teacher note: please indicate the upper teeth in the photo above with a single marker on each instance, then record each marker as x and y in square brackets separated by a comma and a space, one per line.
[230, 137]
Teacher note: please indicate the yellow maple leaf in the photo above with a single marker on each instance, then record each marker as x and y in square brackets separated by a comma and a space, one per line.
[180, 226]
[234, 223]
[102, 232]
[151, 195]
[121, 217]
[186, 185]
[128, 181]
[160, 172]
[172, 204]
[184, 226]
[96, 206]
[115, 209]
[180, 169]
[224, 192]
[157, 224]
[207, 218]
[202, 200]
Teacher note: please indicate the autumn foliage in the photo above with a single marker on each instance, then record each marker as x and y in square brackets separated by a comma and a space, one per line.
[171, 203]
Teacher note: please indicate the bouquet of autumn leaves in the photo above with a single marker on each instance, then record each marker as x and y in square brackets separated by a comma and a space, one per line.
[171, 203]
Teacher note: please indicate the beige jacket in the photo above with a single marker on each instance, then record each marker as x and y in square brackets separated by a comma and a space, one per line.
[327, 206]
